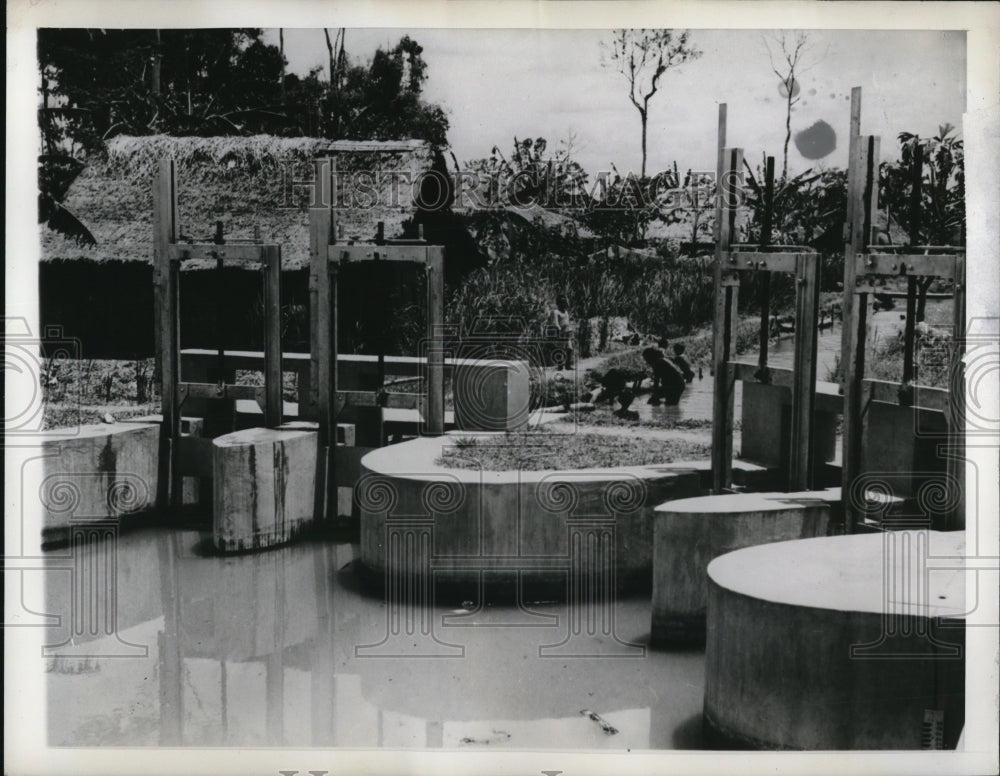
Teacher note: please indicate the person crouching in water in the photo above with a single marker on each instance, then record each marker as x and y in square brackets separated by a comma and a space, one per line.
[614, 386]
[668, 379]
[682, 363]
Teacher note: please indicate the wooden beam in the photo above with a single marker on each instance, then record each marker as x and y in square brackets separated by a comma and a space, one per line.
[726, 300]
[939, 265]
[801, 461]
[862, 194]
[435, 341]
[273, 373]
[350, 254]
[165, 327]
[257, 393]
[398, 401]
[764, 334]
[763, 261]
[321, 225]
[238, 253]
[955, 451]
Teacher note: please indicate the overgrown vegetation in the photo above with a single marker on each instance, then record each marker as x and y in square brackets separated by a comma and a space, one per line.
[545, 450]
[660, 293]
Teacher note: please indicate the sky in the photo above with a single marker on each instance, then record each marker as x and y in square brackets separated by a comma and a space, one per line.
[497, 84]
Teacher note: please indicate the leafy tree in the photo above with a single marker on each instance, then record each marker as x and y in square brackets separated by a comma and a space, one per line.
[941, 207]
[642, 57]
[531, 175]
[807, 208]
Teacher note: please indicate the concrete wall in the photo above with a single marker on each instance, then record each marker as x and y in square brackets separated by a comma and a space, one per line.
[690, 533]
[98, 472]
[766, 427]
[901, 441]
[534, 522]
[808, 649]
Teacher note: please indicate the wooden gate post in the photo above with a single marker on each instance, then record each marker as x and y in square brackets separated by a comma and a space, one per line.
[321, 326]
[435, 341]
[274, 401]
[726, 299]
[801, 450]
[166, 228]
[862, 200]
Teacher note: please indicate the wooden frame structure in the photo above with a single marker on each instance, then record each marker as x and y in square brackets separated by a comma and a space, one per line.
[866, 264]
[182, 455]
[733, 261]
[327, 255]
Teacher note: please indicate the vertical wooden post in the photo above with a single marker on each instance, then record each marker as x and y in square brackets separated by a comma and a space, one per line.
[273, 412]
[321, 226]
[726, 299]
[909, 331]
[862, 191]
[956, 419]
[801, 463]
[173, 361]
[435, 341]
[765, 277]
[333, 386]
[720, 164]
[165, 230]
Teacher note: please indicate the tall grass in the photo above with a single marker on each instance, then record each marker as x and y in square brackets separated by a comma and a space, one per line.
[660, 293]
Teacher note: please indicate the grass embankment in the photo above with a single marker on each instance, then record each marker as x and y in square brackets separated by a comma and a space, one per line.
[545, 451]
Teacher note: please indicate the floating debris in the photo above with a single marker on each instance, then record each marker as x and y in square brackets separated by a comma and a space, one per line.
[607, 727]
[497, 737]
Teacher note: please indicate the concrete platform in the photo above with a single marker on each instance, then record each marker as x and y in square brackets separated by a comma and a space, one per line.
[419, 518]
[689, 533]
[264, 487]
[846, 642]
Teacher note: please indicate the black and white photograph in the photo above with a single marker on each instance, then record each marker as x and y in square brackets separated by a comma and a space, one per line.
[571, 388]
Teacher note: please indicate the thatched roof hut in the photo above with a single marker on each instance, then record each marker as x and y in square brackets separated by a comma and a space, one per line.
[245, 182]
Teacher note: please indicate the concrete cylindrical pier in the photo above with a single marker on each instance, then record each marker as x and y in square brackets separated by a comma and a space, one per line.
[845, 642]
[264, 489]
[689, 533]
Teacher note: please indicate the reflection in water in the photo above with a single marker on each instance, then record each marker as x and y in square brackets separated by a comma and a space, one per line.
[260, 650]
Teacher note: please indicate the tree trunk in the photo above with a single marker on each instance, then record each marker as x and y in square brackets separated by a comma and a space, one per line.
[788, 130]
[642, 117]
[281, 49]
[156, 66]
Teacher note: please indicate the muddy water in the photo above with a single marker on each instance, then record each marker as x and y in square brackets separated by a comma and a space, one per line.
[287, 648]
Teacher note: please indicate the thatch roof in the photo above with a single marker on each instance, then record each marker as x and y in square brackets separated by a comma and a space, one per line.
[241, 181]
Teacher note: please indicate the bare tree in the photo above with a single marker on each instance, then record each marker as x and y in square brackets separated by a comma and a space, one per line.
[643, 56]
[791, 50]
[335, 51]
